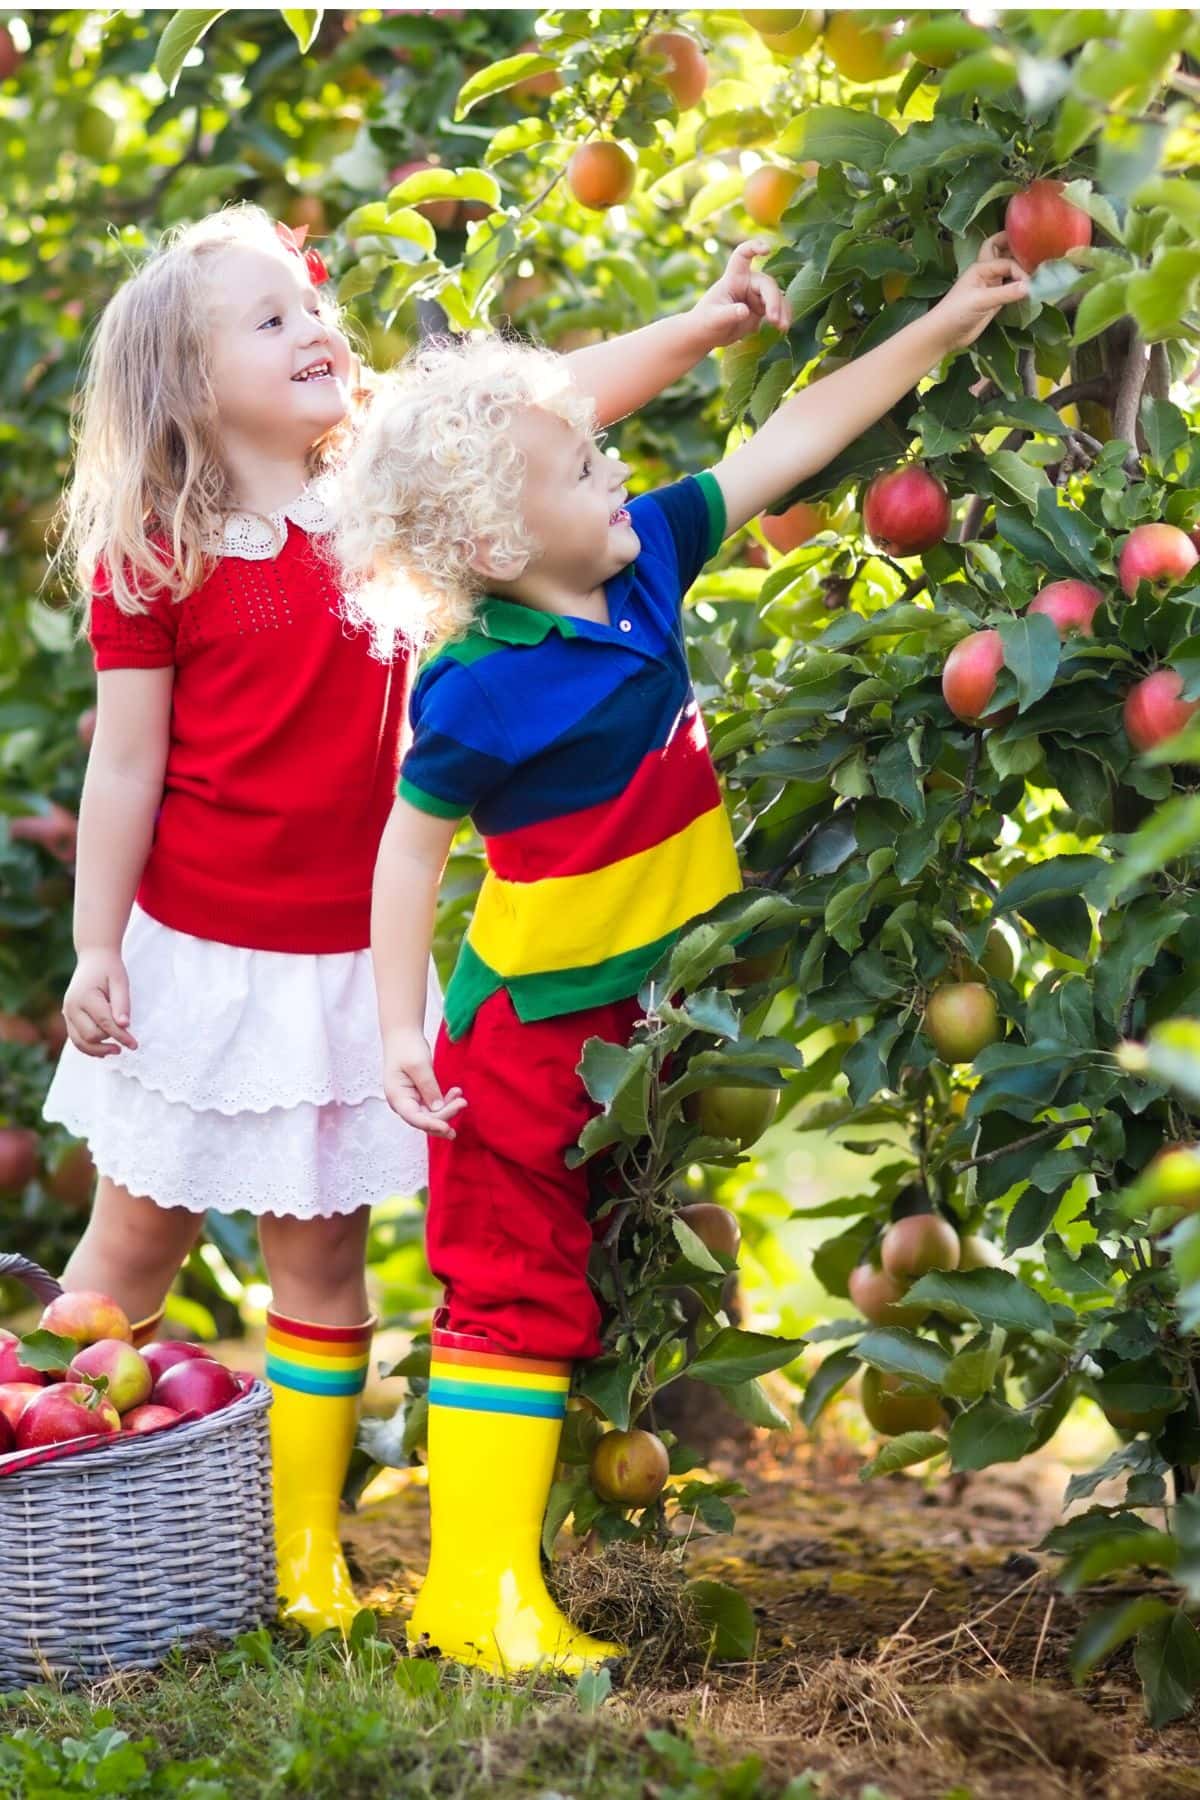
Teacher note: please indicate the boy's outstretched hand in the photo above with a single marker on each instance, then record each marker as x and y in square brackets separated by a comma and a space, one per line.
[993, 281]
[742, 300]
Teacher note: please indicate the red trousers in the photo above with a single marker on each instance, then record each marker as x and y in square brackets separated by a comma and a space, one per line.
[508, 1233]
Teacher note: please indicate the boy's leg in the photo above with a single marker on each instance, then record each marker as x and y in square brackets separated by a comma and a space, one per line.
[132, 1250]
[318, 1344]
[509, 1236]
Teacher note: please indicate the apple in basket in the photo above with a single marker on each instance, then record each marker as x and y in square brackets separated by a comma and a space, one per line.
[8, 1437]
[129, 1380]
[198, 1386]
[161, 1357]
[148, 1418]
[85, 1318]
[14, 1398]
[67, 1410]
[11, 1366]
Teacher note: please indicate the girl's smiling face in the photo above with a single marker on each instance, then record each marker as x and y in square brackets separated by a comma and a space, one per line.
[279, 370]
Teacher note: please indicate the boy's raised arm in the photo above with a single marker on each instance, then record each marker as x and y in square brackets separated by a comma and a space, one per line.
[627, 372]
[809, 430]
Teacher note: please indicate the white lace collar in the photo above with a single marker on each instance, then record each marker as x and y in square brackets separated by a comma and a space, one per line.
[259, 537]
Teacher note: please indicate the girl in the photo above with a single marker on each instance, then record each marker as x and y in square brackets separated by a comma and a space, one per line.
[224, 1050]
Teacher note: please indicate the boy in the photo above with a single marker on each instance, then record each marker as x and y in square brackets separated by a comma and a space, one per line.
[561, 721]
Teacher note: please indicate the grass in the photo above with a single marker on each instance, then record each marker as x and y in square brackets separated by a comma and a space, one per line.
[267, 1718]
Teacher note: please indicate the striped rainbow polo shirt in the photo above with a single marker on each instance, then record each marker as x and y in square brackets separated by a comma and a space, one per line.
[579, 753]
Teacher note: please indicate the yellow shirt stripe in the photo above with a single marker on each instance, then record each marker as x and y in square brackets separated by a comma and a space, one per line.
[525, 927]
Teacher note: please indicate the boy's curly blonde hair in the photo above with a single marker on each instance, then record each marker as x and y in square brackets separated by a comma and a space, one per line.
[433, 472]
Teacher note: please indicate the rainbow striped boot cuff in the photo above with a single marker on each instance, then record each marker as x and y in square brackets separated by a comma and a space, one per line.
[317, 1359]
[486, 1381]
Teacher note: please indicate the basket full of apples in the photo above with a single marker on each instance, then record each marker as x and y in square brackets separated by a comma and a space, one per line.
[135, 1494]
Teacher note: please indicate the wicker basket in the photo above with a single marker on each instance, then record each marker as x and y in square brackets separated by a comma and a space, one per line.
[111, 1557]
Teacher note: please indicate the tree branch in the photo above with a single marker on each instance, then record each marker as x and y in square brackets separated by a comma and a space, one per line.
[973, 518]
[1058, 1129]
[968, 794]
[1129, 393]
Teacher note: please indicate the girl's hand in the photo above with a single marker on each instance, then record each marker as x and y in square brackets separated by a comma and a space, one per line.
[96, 1005]
[742, 300]
[995, 280]
[412, 1087]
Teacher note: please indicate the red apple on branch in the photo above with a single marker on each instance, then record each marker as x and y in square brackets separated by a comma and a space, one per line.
[1041, 225]
[915, 1246]
[1071, 604]
[786, 531]
[906, 511]
[969, 678]
[879, 1297]
[1159, 554]
[961, 1020]
[1154, 711]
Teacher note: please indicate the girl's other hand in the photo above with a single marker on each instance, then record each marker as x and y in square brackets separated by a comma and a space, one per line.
[412, 1087]
[96, 1005]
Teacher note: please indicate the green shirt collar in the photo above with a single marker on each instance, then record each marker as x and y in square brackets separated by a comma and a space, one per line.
[508, 622]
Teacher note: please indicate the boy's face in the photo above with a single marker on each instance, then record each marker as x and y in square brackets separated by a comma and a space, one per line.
[573, 504]
[279, 370]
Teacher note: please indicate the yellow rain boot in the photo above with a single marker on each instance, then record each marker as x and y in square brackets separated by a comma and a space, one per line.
[317, 1373]
[494, 1426]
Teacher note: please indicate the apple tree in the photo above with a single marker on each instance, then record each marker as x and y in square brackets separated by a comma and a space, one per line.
[953, 720]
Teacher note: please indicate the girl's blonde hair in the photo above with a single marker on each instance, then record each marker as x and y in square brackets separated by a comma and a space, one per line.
[433, 471]
[149, 485]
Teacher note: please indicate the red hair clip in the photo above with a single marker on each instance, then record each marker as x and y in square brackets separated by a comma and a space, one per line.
[292, 238]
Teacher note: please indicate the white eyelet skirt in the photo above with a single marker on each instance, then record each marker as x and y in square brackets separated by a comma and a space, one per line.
[256, 1086]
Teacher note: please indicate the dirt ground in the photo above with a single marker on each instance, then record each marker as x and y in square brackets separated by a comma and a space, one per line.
[908, 1638]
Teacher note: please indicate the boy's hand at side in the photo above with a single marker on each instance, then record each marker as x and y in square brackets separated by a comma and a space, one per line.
[412, 1087]
[741, 301]
[993, 281]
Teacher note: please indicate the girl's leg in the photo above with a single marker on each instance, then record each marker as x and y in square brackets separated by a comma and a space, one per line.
[317, 1267]
[318, 1343]
[132, 1250]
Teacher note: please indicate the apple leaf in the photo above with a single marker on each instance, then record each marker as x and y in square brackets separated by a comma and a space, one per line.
[993, 1296]
[47, 1352]
[1032, 648]
[1167, 1659]
[733, 1356]
[902, 1452]
[733, 1633]
[989, 1432]
[1106, 1631]
[184, 31]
